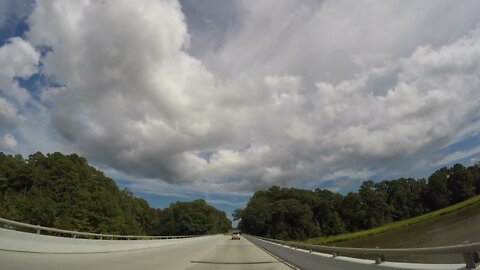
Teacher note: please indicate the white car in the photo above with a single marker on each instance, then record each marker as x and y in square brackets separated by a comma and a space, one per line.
[235, 236]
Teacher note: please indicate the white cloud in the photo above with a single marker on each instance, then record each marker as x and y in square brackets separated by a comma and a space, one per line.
[332, 40]
[225, 202]
[8, 114]
[19, 59]
[456, 156]
[8, 143]
[261, 108]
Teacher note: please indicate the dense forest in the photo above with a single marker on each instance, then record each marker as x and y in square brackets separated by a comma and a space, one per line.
[64, 191]
[289, 213]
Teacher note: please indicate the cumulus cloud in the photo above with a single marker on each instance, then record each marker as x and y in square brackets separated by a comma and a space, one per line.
[8, 114]
[19, 60]
[8, 143]
[260, 108]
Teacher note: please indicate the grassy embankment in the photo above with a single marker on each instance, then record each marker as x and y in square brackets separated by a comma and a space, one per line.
[393, 225]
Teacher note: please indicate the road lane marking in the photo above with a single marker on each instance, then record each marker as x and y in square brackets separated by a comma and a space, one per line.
[209, 262]
[276, 257]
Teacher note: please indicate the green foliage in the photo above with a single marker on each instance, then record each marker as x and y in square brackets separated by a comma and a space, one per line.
[291, 219]
[438, 194]
[64, 191]
[394, 225]
[406, 197]
[197, 217]
[288, 213]
[461, 183]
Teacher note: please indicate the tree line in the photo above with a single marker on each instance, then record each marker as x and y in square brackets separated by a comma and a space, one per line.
[64, 191]
[290, 213]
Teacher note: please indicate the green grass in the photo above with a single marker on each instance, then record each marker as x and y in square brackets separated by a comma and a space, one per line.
[393, 225]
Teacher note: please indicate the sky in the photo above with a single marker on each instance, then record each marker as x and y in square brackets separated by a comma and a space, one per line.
[215, 99]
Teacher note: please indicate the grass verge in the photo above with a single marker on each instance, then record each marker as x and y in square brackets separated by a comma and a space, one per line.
[393, 225]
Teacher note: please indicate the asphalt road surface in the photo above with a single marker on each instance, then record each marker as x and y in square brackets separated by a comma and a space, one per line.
[212, 252]
[314, 261]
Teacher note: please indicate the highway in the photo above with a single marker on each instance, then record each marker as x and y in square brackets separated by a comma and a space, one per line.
[211, 252]
[313, 261]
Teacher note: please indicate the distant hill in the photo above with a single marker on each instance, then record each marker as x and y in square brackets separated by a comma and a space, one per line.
[289, 213]
[64, 191]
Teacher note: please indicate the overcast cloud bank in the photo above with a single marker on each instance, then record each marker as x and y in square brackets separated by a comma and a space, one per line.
[291, 93]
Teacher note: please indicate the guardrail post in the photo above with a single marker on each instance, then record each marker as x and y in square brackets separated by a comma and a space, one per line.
[38, 229]
[335, 253]
[471, 258]
[380, 257]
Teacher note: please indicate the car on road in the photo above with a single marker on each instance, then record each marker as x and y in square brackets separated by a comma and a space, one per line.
[235, 235]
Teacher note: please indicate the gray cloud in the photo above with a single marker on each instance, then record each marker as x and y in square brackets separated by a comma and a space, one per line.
[334, 40]
[208, 22]
[295, 93]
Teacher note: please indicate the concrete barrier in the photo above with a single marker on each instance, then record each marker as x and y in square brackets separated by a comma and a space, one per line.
[27, 242]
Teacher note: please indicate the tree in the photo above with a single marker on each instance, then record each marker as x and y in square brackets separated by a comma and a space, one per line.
[474, 172]
[460, 183]
[438, 193]
[256, 216]
[292, 220]
[354, 212]
[378, 211]
[326, 209]
[405, 196]
[237, 214]
[65, 192]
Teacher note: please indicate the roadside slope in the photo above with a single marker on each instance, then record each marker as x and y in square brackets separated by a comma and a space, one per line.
[432, 216]
[451, 228]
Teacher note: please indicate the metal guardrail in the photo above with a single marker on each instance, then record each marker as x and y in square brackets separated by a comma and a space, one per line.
[468, 250]
[14, 225]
